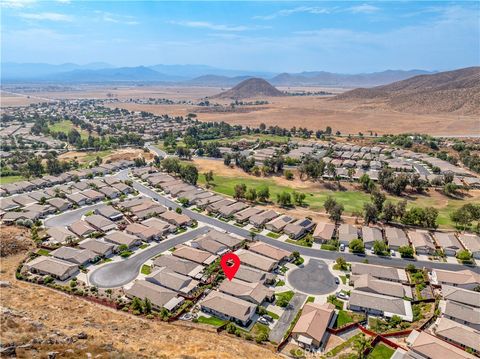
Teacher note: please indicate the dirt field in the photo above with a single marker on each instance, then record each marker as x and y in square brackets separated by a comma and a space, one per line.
[114, 155]
[8, 99]
[301, 111]
[49, 321]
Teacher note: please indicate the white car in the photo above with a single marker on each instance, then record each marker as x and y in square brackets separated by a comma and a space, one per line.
[392, 252]
[263, 321]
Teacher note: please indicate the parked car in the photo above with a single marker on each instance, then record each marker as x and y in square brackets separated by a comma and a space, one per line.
[392, 252]
[342, 295]
[337, 281]
[263, 321]
[268, 318]
[342, 247]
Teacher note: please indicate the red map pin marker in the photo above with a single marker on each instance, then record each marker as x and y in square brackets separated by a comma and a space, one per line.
[230, 264]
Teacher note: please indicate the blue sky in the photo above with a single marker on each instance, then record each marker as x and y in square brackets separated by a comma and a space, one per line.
[346, 37]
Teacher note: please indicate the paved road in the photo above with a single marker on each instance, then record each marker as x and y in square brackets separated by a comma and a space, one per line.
[283, 323]
[313, 278]
[421, 169]
[159, 152]
[311, 252]
[67, 218]
[116, 274]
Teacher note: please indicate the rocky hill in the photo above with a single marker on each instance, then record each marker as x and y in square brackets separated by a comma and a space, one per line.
[455, 91]
[251, 88]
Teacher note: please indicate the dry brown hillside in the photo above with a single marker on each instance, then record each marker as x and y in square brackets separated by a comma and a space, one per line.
[456, 92]
[251, 88]
[38, 322]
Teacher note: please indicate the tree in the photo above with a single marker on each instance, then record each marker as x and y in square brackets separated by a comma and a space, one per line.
[380, 247]
[335, 213]
[356, 246]
[288, 174]
[178, 210]
[208, 176]
[147, 306]
[284, 199]
[137, 304]
[263, 193]
[341, 263]
[401, 208]
[361, 344]
[464, 256]
[370, 213]
[231, 328]
[239, 191]
[189, 174]
[377, 199]
[251, 195]
[299, 198]
[389, 211]
[406, 251]
[171, 165]
[329, 203]
[295, 255]
[367, 183]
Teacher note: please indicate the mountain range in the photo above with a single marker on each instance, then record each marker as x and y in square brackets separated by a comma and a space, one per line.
[194, 75]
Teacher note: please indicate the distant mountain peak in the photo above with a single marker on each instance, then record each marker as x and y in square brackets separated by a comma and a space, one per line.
[250, 88]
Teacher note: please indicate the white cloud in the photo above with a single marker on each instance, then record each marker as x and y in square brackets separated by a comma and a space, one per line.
[15, 4]
[364, 9]
[117, 19]
[300, 9]
[46, 16]
[64, 1]
[211, 26]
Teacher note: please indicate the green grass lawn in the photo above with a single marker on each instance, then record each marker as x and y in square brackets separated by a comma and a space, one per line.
[273, 235]
[273, 315]
[353, 201]
[299, 242]
[65, 126]
[287, 295]
[11, 179]
[310, 299]
[280, 283]
[343, 318]
[381, 351]
[144, 245]
[211, 321]
[106, 260]
[146, 269]
[43, 252]
[343, 279]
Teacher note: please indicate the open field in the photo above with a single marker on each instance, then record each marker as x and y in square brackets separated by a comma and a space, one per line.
[35, 312]
[226, 178]
[9, 99]
[313, 112]
[10, 179]
[107, 155]
[66, 126]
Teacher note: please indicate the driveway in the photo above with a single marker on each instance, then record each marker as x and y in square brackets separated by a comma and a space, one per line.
[117, 274]
[313, 278]
[283, 323]
[310, 252]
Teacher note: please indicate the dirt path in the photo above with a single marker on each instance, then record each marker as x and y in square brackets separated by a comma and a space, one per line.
[53, 320]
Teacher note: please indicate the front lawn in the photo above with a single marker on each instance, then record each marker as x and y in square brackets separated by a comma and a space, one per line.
[43, 252]
[381, 351]
[146, 269]
[282, 299]
[300, 242]
[343, 318]
[144, 245]
[273, 315]
[273, 235]
[343, 279]
[216, 322]
[280, 283]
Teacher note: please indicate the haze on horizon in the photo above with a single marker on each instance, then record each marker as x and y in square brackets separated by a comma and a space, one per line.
[345, 37]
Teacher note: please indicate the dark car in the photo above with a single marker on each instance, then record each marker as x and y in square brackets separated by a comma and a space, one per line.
[337, 281]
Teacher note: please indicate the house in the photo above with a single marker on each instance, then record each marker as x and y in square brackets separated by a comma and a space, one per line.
[310, 331]
[122, 187]
[298, 228]
[276, 225]
[43, 209]
[109, 212]
[205, 202]
[229, 211]
[228, 307]
[214, 207]
[60, 235]
[269, 251]
[449, 242]
[370, 235]
[380, 305]
[177, 219]
[194, 255]
[472, 243]
[245, 214]
[100, 223]
[380, 272]
[425, 346]
[77, 256]
[179, 265]
[60, 204]
[162, 227]
[177, 282]
[147, 209]
[97, 246]
[323, 232]
[78, 199]
[347, 233]
[255, 260]
[15, 217]
[396, 238]
[460, 295]
[368, 283]
[119, 238]
[224, 238]
[466, 279]
[461, 313]
[143, 232]
[258, 220]
[54, 267]
[252, 275]
[93, 195]
[422, 242]
[255, 293]
[209, 245]
[6, 204]
[159, 296]
[457, 334]
[110, 192]
[23, 200]
[81, 228]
